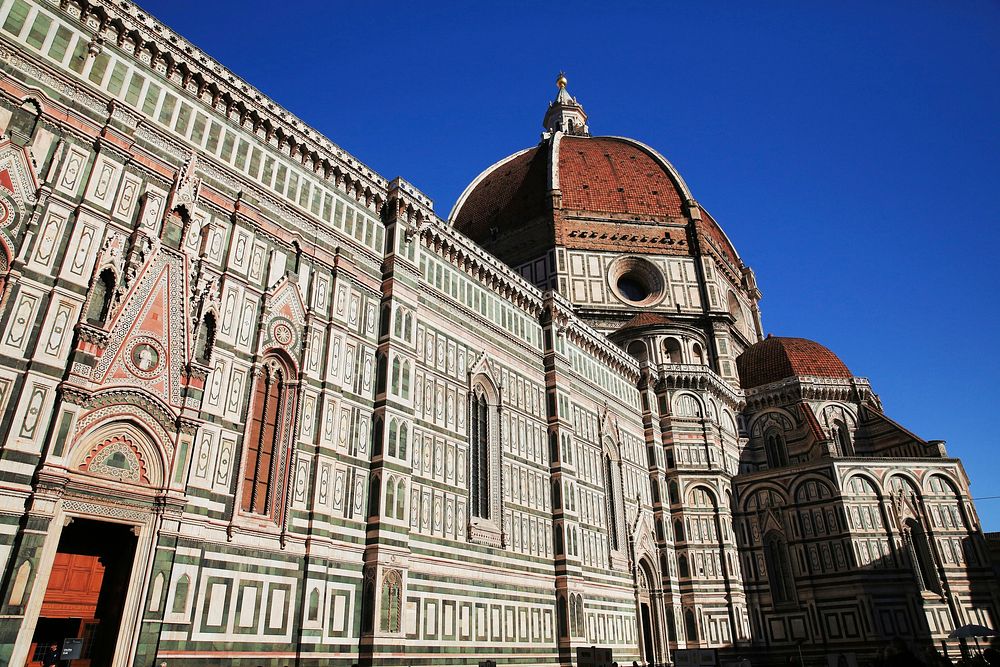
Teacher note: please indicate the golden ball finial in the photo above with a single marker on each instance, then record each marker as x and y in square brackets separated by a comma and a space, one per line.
[561, 81]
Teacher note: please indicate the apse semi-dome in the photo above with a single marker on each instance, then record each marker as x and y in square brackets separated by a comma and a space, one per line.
[575, 190]
[779, 358]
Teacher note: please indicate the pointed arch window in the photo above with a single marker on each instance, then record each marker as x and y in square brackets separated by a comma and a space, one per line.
[392, 604]
[314, 605]
[265, 440]
[690, 626]
[775, 449]
[181, 594]
[402, 440]
[405, 392]
[395, 376]
[842, 439]
[920, 555]
[393, 436]
[609, 491]
[779, 569]
[480, 448]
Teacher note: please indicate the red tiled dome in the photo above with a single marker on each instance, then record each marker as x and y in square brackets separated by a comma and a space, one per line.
[580, 192]
[604, 175]
[511, 192]
[645, 319]
[777, 358]
[610, 175]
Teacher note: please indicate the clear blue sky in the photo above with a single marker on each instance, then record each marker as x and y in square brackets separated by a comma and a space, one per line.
[849, 149]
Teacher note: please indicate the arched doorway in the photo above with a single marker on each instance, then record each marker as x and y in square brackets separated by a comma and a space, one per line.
[648, 616]
[94, 565]
[86, 591]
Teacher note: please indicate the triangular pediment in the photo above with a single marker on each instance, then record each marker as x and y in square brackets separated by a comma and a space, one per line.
[149, 337]
[285, 318]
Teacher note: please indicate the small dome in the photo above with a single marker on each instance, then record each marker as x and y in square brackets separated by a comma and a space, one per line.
[643, 320]
[778, 358]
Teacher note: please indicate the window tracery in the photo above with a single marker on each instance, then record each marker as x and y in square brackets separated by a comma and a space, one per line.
[392, 604]
[775, 448]
[479, 434]
[265, 440]
[779, 569]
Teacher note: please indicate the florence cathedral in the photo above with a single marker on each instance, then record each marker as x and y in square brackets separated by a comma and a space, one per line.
[263, 407]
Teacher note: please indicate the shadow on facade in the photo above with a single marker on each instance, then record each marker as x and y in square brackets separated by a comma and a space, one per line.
[896, 610]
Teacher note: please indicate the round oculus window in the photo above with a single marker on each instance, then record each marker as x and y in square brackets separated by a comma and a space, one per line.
[632, 287]
[636, 281]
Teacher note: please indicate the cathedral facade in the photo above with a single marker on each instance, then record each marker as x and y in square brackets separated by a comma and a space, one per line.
[262, 406]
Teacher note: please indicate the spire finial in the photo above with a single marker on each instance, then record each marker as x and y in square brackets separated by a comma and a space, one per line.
[565, 114]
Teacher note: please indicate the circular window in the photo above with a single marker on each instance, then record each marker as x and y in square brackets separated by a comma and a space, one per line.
[632, 287]
[636, 281]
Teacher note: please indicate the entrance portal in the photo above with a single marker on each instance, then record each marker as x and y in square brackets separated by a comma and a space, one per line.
[647, 635]
[86, 591]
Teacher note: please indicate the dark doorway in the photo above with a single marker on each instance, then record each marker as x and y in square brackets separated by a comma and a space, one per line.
[647, 635]
[86, 591]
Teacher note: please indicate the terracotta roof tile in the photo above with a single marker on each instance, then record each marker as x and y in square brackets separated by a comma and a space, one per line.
[777, 358]
[644, 319]
[605, 175]
[509, 196]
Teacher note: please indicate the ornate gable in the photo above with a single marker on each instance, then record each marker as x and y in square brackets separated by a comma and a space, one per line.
[486, 367]
[18, 185]
[148, 341]
[284, 318]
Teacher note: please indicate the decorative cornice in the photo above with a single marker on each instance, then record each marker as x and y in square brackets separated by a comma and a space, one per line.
[129, 28]
[808, 388]
[588, 338]
[462, 253]
[700, 378]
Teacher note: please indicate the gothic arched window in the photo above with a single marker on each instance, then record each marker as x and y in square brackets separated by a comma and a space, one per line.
[405, 393]
[395, 376]
[402, 440]
[920, 555]
[690, 626]
[779, 569]
[380, 373]
[609, 491]
[775, 449]
[393, 436]
[480, 448]
[181, 589]
[314, 605]
[265, 440]
[374, 493]
[401, 499]
[842, 439]
[392, 604]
